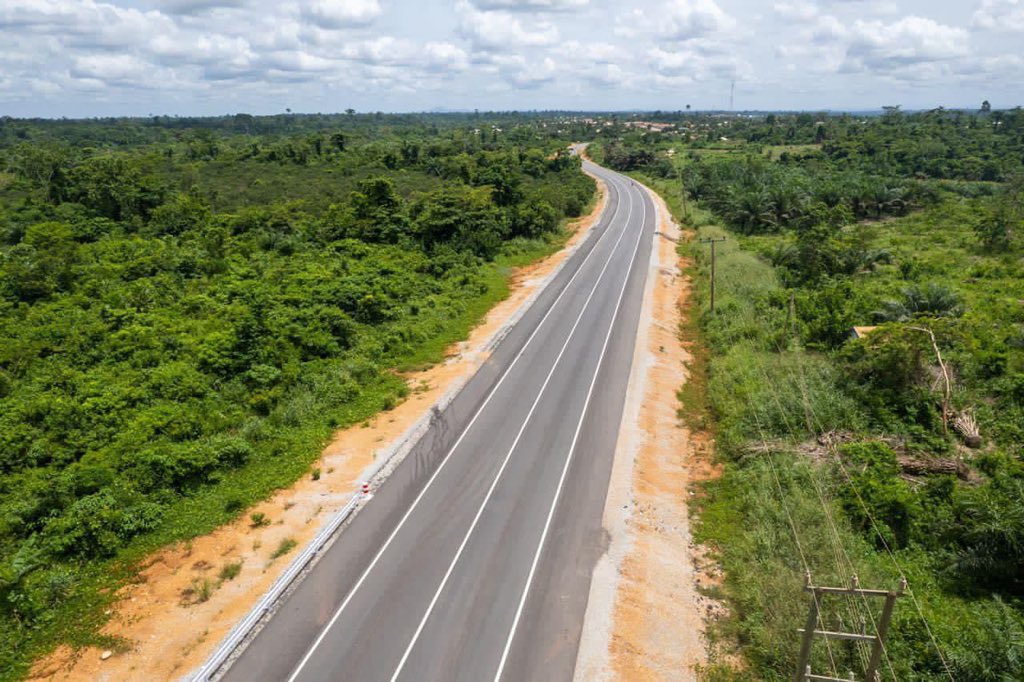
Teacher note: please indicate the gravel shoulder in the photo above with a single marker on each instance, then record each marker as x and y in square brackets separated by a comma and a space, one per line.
[646, 618]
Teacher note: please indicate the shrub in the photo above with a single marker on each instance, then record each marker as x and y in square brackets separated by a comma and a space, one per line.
[875, 498]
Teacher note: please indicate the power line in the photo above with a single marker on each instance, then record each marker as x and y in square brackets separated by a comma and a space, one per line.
[830, 446]
[809, 405]
[835, 541]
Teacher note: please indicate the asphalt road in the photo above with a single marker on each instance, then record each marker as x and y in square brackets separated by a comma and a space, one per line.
[473, 560]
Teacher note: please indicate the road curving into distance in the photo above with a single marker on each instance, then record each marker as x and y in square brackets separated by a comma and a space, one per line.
[473, 560]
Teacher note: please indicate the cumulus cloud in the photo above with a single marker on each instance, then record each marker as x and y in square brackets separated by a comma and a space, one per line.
[694, 65]
[911, 39]
[500, 31]
[519, 72]
[247, 51]
[911, 48]
[530, 5]
[677, 20]
[341, 13]
[198, 6]
[796, 11]
[84, 23]
[999, 15]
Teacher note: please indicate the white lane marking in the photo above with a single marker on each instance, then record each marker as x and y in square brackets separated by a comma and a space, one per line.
[515, 443]
[568, 460]
[348, 598]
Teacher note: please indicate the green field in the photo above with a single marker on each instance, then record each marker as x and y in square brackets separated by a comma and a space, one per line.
[841, 457]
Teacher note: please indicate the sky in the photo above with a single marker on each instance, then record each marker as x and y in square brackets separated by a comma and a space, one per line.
[83, 58]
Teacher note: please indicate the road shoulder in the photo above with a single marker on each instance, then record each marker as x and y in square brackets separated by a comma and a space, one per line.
[645, 616]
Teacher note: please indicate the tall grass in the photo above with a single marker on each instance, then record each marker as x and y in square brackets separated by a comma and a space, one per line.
[773, 513]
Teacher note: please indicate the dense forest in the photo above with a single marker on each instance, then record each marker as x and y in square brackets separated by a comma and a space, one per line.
[188, 307]
[891, 452]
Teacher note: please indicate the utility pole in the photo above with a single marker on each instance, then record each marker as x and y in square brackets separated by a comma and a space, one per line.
[877, 640]
[712, 241]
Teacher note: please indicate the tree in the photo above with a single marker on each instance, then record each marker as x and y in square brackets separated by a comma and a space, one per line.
[986, 107]
[338, 141]
[463, 217]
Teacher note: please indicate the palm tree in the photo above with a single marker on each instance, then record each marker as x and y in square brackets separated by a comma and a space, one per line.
[751, 210]
[930, 300]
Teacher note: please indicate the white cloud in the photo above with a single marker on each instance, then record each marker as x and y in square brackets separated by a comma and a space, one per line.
[796, 11]
[999, 15]
[84, 23]
[911, 40]
[520, 72]
[61, 57]
[694, 65]
[104, 70]
[676, 20]
[530, 5]
[502, 32]
[341, 13]
[198, 6]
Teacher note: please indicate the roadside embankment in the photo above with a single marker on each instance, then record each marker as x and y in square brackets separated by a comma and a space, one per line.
[186, 598]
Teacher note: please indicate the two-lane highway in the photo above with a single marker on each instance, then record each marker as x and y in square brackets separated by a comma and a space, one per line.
[473, 560]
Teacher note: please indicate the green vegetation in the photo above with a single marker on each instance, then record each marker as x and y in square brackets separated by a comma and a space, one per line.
[285, 546]
[895, 454]
[188, 308]
[198, 592]
[230, 571]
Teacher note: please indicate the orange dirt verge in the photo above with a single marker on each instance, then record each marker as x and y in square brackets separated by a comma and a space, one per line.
[168, 618]
[646, 619]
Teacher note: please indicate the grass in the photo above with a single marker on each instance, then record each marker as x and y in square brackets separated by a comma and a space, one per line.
[230, 571]
[198, 592]
[775, 511]
[748, 383]
[285, 546]
[775, 151]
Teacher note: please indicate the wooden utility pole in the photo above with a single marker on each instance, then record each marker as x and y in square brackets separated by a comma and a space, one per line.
[877, 640]
[712, 241]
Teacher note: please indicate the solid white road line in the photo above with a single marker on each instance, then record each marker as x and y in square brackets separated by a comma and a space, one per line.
[362, 578]
[568, 460]
[508, 455]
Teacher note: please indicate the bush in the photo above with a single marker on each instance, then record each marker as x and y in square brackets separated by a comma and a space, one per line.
[875, 498]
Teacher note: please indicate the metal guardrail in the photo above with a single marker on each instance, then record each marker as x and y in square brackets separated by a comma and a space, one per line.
[284, 581]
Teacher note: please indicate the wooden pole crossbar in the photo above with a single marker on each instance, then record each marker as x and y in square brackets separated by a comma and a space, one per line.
[809, 631]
